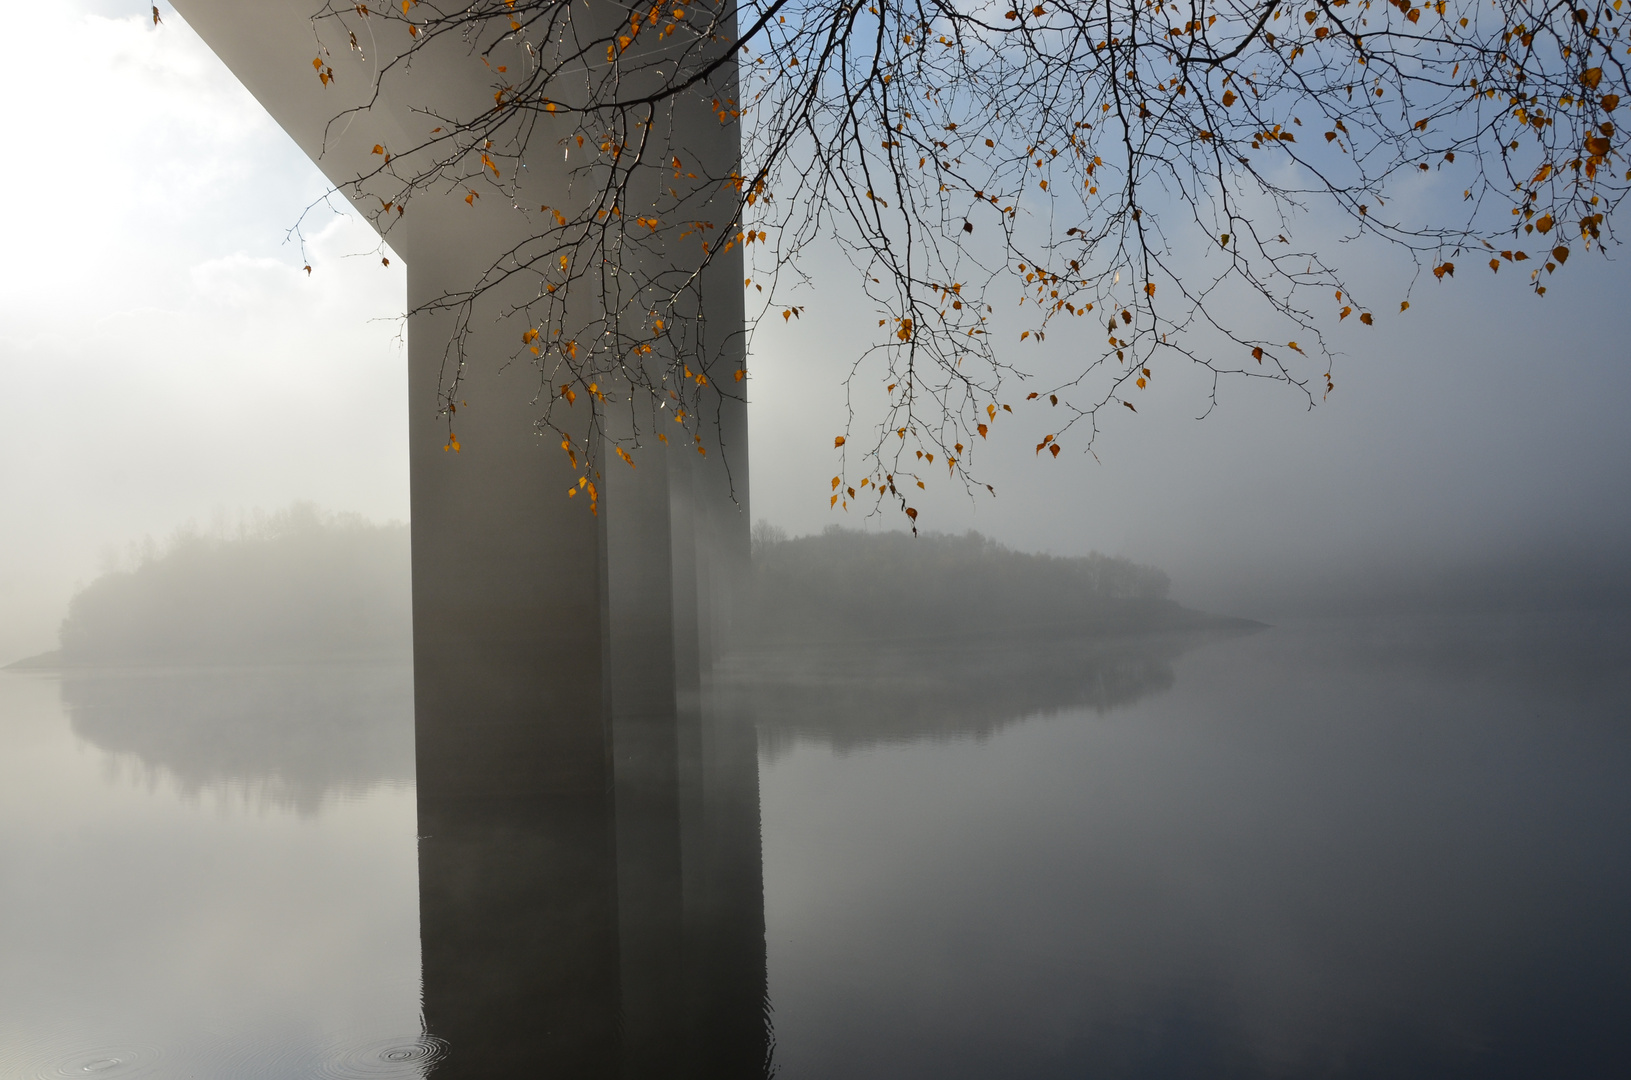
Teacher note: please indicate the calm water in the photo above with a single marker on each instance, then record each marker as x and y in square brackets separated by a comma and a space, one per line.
[1348, 848]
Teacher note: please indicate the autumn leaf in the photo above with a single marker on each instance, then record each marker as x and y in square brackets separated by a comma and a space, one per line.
[839, 441]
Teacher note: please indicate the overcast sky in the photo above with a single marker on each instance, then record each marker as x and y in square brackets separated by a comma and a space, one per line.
[169, 362]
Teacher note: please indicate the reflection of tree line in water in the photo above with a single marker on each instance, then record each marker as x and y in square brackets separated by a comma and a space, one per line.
[293, 735]
[858, 695]
[287, 735]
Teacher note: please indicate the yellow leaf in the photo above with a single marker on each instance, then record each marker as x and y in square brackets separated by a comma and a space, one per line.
[838, 442]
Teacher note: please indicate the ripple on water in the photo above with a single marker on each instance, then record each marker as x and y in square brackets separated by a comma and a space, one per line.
[378, 1059]
[118, 1061]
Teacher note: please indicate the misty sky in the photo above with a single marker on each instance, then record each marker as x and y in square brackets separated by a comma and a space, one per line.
[170, 362]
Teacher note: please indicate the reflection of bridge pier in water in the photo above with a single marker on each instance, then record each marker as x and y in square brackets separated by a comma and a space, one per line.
[595, 928]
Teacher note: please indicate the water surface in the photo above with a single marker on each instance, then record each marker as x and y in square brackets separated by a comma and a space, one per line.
[1390, 847]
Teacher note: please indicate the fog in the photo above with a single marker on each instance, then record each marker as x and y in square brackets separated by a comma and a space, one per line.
[172, 363]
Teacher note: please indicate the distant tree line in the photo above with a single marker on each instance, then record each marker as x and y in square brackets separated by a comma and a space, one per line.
[294, 586]
[844, 583]
[300, 586]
